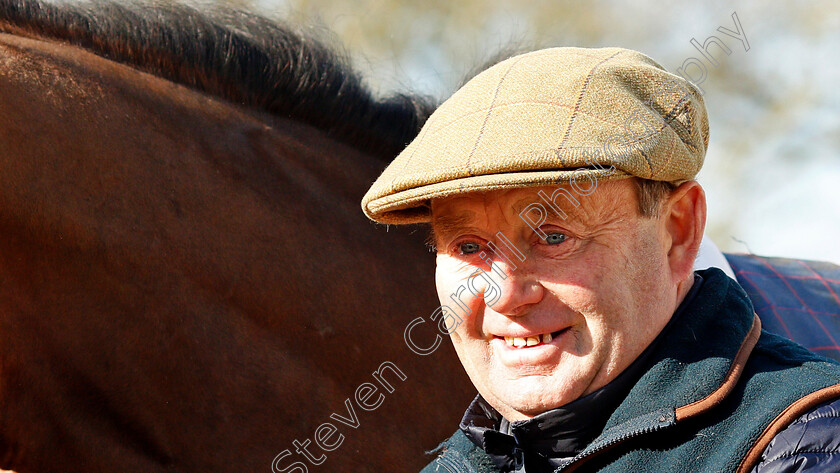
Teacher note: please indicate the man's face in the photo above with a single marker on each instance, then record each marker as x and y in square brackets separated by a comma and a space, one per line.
[599, 287]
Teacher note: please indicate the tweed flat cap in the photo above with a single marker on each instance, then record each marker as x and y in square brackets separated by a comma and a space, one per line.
[555, 116]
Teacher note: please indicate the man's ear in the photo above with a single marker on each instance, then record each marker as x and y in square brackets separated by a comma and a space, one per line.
[684, 219]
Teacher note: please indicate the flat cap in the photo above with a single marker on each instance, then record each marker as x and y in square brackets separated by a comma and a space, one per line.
[556, 116]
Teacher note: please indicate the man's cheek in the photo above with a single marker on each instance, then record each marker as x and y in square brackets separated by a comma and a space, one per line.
[452, 271]
[464, 287]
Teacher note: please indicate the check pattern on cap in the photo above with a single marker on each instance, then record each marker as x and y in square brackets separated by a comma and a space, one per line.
[559, 115]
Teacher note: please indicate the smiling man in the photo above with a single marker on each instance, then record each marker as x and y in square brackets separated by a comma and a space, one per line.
[597, 347]
[583, 305]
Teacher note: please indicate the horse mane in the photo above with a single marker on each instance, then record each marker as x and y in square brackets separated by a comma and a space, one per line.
[235, 55]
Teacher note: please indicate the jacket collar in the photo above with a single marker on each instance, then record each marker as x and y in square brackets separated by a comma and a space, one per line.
[700, 361]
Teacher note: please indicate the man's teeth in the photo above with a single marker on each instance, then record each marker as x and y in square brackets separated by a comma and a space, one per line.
[527, 341]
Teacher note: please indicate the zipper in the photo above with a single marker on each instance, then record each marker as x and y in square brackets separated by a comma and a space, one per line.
[652, 422]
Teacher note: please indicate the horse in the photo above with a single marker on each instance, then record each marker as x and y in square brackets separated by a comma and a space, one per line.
[186, 280]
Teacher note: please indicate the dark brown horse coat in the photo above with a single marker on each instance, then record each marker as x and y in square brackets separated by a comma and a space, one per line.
[187, 284]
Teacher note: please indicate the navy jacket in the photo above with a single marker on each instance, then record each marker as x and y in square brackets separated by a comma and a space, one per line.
[798, 299]
[811, 444]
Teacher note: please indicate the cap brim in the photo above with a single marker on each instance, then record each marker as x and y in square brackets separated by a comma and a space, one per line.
[412, 205]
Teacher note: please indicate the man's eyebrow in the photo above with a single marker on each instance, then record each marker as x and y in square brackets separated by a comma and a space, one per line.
[448, 224]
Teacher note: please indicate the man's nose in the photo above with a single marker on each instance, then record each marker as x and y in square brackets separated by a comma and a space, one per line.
[516, 289]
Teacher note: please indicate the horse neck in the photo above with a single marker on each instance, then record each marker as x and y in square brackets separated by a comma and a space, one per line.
[168, 261]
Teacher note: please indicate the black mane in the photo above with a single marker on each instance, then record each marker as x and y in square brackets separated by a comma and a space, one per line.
[235, 55]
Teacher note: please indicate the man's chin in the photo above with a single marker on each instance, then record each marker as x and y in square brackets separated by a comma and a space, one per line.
[527, 397]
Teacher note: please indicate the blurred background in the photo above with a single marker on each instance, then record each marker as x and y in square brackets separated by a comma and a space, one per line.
[772, 172]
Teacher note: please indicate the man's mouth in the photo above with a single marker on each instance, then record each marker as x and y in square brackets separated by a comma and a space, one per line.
[531, 341]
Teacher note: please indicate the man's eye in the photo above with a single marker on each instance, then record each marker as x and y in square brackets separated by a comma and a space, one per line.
[468, 248]
[555, 238]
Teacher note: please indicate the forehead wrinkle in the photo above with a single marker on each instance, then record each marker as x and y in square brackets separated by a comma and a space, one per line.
[447, 224]
[523, 203]
[575, 215]
[600, 209]
[606, 208]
